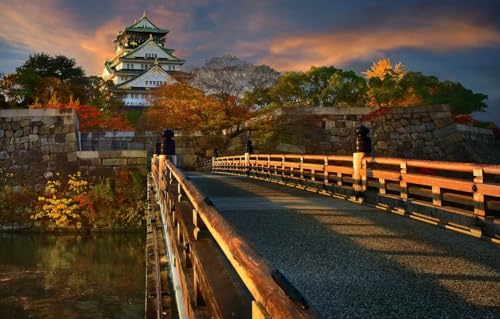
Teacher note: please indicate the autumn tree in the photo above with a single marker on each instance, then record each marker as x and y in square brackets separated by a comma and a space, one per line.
[227, 78]
[186, 108]
[386, 86]
[394, 86]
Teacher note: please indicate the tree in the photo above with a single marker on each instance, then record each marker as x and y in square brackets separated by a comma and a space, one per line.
[227, 78]
[42, 75]
[460, 99]
[345, 88]
[387, 86]
[183, 107]
[318, 87]
[290, 90]
[383, 68]
[100, 93]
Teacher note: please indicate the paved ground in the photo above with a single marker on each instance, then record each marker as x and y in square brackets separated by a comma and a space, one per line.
[353, 261]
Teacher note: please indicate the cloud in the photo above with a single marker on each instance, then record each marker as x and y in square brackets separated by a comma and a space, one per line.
[338, 48]
[32, 27]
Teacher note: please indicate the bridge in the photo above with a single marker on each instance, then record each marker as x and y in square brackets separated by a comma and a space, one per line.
[313, 236]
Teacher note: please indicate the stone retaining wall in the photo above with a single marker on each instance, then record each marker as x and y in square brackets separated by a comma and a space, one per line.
[425, 132]
[34, 144]
[100, 164]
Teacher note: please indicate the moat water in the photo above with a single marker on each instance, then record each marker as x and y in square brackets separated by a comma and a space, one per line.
[72, 276]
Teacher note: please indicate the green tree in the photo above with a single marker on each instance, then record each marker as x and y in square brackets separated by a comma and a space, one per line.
[290, 90]
[43, 75]
[460, 99]
[345, 88]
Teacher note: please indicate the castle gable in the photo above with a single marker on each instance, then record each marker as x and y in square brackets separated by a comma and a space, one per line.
[153, 77]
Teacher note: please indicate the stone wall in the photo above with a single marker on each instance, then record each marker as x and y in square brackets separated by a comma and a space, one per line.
[96, 165]
[34, 144]
[418, 132]
[191, 149]
[118, 140]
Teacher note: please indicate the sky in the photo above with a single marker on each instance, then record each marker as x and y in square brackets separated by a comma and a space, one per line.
[453, 40]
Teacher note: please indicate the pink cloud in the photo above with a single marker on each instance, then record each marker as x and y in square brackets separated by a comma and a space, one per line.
[338, 48]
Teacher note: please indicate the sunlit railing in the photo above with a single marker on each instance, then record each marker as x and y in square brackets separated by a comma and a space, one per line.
[465, 196]
[220, 274]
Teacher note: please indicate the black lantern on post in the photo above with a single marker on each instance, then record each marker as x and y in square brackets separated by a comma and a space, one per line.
[363, 142]
[167, 143]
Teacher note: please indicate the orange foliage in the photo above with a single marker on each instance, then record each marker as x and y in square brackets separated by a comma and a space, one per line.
[90, 117]
[383, 67]
[182, 107]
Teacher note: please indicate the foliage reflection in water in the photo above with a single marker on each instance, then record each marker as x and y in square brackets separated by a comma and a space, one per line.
[72, 276]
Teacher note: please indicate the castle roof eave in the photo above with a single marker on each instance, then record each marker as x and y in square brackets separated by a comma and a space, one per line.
[148, 30]
[145, 43]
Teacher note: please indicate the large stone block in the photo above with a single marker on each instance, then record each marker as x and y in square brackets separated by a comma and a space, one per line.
[71, 156]
[25, 123]
[56, 148]
[87, 154]
[110, 154]
[114, 161]
[90, 162]
[134, 153]
[137, 161]
[70, 137]
[18, 133]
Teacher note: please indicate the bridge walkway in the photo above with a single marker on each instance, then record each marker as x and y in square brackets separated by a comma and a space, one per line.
[354, 261]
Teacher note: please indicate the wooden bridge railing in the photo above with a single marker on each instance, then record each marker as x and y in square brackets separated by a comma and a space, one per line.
[220, 275]
[461, 195]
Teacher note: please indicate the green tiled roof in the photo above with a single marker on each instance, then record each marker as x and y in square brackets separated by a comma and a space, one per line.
[148, 30]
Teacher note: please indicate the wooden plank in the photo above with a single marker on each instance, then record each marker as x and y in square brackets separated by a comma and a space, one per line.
[339, 169]
[387, 175]
[443, 182]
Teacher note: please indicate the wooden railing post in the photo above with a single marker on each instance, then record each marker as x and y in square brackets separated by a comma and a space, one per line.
[325, 171]
[301, 168]
[478, 197]
[403, 170]
[247, 163]
[161, 178]
[283, 166]
[357, 161]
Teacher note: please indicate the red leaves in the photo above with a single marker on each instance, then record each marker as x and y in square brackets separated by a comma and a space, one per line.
[463, 119]
[374, 114]
[93, 119]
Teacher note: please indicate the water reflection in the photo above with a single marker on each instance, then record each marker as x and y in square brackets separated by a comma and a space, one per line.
[72, 276]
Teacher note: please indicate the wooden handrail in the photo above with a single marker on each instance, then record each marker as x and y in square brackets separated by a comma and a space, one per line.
[442, 178]
[254, 271]
[437, 165]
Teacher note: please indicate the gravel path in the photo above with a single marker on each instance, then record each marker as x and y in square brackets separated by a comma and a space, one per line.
[353, 261]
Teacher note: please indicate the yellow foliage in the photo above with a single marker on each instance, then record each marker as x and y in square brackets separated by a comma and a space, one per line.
[383, 67]
[59, 206]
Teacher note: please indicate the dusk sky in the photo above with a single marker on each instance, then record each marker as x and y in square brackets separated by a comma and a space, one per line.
[454, 40]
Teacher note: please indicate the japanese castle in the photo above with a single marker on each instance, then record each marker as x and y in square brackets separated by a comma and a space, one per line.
[141, 62]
